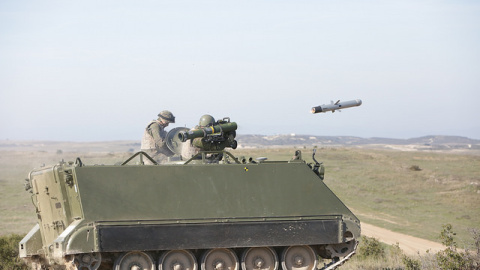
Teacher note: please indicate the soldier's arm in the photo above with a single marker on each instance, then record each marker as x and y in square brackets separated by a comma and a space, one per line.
[158, 135]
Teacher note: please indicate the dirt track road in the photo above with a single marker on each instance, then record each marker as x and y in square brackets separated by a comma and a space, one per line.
[409, 244]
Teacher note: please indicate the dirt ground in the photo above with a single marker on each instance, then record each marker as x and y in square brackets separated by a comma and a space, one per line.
[409, 244]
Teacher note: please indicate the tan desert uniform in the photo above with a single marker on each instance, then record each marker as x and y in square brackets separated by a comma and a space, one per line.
[188, 150]
[153, 140]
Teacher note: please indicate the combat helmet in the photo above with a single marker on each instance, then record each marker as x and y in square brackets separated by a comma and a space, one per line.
[206, 120]
[167, 115]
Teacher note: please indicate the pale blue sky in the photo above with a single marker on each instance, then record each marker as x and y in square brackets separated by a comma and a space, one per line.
[100, 70]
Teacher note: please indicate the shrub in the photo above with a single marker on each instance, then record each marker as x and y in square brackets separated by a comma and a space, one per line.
[411, 264]
[415, 168]
[451, 258]
[475, 255]
[9, 259]
[371, 248]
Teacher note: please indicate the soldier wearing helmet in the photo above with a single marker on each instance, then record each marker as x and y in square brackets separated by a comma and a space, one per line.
[153, 141]
[188, 150]
[205, 120]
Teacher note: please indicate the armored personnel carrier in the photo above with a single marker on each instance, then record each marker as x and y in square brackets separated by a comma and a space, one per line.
[211, 211]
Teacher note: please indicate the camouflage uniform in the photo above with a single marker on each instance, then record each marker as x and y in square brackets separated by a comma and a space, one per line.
[188, 149]
[153, 141]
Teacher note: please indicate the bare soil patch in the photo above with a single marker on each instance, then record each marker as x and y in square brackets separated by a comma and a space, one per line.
[409, 244]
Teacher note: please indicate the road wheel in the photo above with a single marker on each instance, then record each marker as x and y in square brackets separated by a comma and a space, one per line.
[299, 258]
[177, 260]
[220, 259]
[134, 260]
[259, 258]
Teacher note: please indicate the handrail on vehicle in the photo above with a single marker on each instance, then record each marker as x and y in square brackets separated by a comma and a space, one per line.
[142, 154]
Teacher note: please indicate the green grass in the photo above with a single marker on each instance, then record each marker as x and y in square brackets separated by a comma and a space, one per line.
[378, 185]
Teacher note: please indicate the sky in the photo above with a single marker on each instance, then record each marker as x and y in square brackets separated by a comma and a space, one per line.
[101, 70]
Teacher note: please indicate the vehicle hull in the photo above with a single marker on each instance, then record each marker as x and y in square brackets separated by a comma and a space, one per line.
[89, 212]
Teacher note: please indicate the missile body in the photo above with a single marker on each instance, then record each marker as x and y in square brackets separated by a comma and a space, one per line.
[336, 106]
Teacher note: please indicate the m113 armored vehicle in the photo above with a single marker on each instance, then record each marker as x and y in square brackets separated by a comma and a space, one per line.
[211, 211]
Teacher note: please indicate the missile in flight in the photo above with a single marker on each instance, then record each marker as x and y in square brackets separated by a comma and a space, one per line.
[336, 106]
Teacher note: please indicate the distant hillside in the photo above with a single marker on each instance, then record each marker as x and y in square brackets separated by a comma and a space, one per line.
[426, 142]
[260, 141]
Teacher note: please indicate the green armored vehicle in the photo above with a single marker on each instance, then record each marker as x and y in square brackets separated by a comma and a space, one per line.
[211, 211]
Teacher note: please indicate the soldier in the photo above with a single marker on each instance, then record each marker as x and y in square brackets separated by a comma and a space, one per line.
[153, 141]
[188, 149]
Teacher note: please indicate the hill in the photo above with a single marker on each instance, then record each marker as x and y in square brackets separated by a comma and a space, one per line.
[262, 141]
[420, 143]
